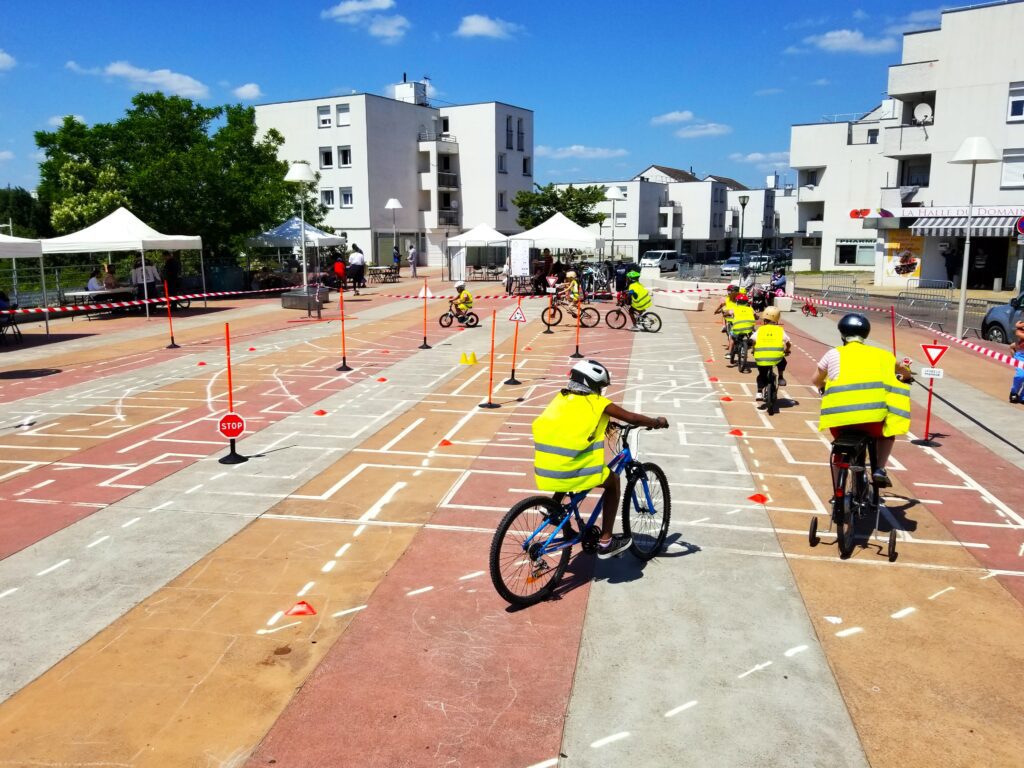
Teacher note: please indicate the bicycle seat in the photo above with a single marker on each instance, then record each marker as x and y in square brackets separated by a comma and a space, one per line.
[851, 438]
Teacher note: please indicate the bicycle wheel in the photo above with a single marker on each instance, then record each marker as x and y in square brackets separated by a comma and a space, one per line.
[650, 322]
[806, 310]
[183, 303]
[616, 319]
[518, 577]
[472, 321]
[551, 316]
[445, 320]
[589, 317]
[646, 521]
[771, 393]
[842, 513]
[744, 352]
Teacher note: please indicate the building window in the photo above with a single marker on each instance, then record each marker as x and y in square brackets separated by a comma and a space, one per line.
[326, 157]
[1015, 109]
[344, 157]
[327, 197]
[625, 192]
[527, 167]
[520, 136]
[342, 115]
[501, 202]
[444, 125]
[346, 197]
[620, 219]
[508, 132]
[1013, 169]
[915, 171]
[872, 135]
[323, 117]
[810, 178]
[502, 163]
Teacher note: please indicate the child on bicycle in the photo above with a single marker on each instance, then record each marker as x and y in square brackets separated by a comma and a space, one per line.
[462, 303]
[771, 347]
[569, 445]
[570, 288]
[1017, 350]
[743, 319]
[639, 298]
[725, 306]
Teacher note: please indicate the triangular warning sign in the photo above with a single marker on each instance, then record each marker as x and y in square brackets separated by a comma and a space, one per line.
[517, 316]
[934, 352]
[424, 293]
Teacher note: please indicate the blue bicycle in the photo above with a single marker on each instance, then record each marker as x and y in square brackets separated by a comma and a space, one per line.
[531, 547]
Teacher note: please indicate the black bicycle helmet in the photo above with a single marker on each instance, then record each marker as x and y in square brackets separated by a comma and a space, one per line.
[854, 325]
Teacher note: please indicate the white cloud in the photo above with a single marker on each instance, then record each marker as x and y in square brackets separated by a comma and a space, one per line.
[6, 154]
[39, 156]
[58, 120]
[6, 60]
[767, 91]
[160, 79]
[247, 92]
[763, 161]
[678, 116]
[700, 130]
[390, 29]
[791, 50]
[355, 11]
[580, 151]
[816, 21]
[851, 41]
[822, 81]
[477, 25]
[916, 20]
[860, 14]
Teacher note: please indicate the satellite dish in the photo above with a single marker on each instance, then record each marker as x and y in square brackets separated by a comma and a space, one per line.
[923, 113]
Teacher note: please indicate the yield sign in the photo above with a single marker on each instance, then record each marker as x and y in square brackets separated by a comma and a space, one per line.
[517, 316]
[424, 293]
[934, 352]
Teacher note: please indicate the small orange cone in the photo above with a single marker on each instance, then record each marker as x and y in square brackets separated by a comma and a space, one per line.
[736, 432]
[321, 412]
[201, 363]
[726, 399]
[527, 349]
[709, 360]
[385, 351]
[713, 378]
[758, 498]
[252, 349]
[444, 443]
[382, 378]
[301, 608]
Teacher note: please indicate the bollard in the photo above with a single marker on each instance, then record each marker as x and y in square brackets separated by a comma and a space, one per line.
[424, 345]
[512, 381]
[233, 456]
[490, 378]
[341, 302]
[577, 354]
[170, 323]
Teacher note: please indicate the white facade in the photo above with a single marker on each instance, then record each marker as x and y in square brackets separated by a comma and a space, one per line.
[754, 226]
[443, 164]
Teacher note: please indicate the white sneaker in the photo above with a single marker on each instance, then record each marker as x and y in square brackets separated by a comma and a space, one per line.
[760, 395]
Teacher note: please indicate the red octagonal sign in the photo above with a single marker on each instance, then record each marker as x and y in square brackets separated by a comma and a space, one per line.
[231, 425]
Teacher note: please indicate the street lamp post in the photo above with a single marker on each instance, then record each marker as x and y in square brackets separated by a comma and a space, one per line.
[974, 150]
[301, 173]
[393, 205]
[614, 194]
[744, 199]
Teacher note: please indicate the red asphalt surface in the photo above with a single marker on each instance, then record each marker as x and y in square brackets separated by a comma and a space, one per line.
[451, 676]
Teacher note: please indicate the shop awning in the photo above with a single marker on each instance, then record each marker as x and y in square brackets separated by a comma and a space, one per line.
[953, 226]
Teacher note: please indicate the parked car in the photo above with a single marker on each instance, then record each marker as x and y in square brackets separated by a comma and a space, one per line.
[666, 261]
[731, 266]
[758, 262]
[1000, 320]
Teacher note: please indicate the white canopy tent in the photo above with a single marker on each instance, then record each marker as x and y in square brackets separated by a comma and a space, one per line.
[24, 248]
[481, 236]
[559, 232]
[290, 233]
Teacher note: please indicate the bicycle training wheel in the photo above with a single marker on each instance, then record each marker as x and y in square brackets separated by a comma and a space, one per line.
[551, 316]
[520, 574]
[589, 317]
[616, 319]
[445, 320]
[183, 303]
[472, 321]
[645, 519]
[650, 322]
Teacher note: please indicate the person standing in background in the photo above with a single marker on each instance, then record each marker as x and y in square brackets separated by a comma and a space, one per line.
[356, 265]
[172, 272]
[109, 278]
[396, 260]
[413, 257]
[145, 279]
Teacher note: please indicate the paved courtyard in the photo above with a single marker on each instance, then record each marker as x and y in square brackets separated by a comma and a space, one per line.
[147, 589]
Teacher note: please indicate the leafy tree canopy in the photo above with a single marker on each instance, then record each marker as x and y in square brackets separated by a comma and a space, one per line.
[576, 203]
[179, 166]
[29, 216]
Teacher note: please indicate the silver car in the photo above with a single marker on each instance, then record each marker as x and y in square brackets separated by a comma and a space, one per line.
[999, 321]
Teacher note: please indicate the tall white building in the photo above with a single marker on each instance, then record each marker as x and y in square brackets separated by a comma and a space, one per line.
[451, 168]
[879, 192]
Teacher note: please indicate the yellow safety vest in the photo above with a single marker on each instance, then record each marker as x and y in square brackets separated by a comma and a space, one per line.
[572, 290]
[866, 392]
[742, 319]
[568, 442]
[465, 298]
[642, 300]
[770, 347]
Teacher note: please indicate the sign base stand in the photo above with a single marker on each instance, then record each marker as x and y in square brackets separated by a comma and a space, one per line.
[172, 345]
[489, 405]
[576, 355]
[344, 366]
[424, 345]
[233, 457]
[512, 380]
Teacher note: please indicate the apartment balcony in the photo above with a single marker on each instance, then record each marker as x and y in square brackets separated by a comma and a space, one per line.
[904, 140]
[448, 217]
[446, 180]
[427, 181]
[442, 143]
[911, 79]
[815, 227]
[811, 193]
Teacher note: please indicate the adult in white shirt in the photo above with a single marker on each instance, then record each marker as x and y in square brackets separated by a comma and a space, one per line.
[357, 268]
[94, 284]
[413, 258]
[146, 279]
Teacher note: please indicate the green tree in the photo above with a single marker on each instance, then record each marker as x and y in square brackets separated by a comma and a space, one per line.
[576, 203]
[29, 216]
[179, 166]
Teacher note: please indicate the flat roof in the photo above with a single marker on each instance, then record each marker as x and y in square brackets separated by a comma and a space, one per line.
[389, 98]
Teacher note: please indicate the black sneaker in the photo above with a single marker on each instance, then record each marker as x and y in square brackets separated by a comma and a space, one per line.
[881, 479]
[620, 543]
[1014, 399]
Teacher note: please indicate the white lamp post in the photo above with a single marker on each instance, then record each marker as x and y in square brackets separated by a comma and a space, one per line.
[301, 173]
[393, 204]
[614, 194]
[974, 150]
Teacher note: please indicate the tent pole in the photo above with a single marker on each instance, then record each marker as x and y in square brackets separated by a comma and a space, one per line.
[202, 274]
[46, 310]
[145, 282]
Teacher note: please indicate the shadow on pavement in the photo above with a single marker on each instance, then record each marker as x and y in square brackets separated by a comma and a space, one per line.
[29, 373]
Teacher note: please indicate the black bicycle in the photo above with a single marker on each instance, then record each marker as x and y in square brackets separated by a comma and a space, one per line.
[740, 354]
[854, 495]
[770, 393]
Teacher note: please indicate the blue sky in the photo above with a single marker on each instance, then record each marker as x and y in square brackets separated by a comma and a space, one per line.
[615, 86]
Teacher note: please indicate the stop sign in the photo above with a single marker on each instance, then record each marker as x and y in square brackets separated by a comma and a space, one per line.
[231, 425]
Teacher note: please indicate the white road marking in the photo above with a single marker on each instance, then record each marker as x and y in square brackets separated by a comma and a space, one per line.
[391, 443]
[850, 631]
[308, 586]
[833, 620]
[941, 592]
[7, 592]
[100, 540]
[609, 739]
[755, 668]
[275, 618]
[681, 708]
[342, 549]
[472, 575]
[419, 591]
[359, 530]
[378, 505]
[53, 568]
[329, 566]
[552, 763]
[131, 522]
[794, 651]
[347, 611]
[903, 612]
[277, 629]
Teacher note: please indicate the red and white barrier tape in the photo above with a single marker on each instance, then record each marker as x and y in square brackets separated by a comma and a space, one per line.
[842, 305]
[537, 296]
[130, 303]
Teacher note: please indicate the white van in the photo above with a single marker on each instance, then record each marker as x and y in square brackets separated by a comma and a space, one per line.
[666, 261]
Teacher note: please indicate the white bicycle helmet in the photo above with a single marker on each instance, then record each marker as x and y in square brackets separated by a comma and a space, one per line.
[460, 285]
[570, 274]
[591, 374]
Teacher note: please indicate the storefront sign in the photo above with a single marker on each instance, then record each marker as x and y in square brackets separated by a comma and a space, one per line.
[961, 210]
[903, 253]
